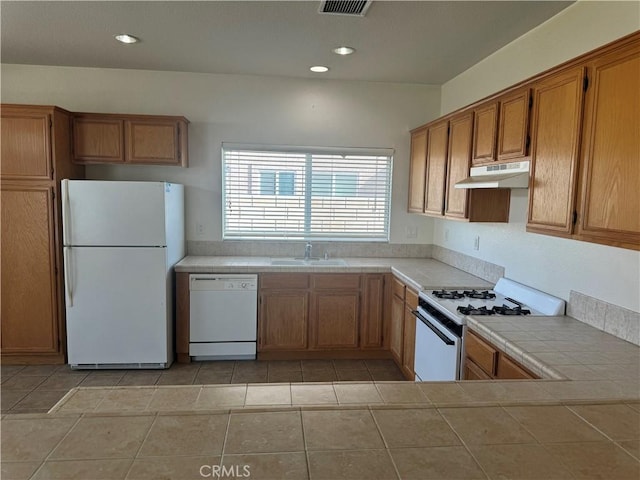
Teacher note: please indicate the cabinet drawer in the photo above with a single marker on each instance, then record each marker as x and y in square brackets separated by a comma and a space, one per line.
[335, 282]
[398, 288]
[284, 280]
[411, 299]
[483, 354]
[508, 369]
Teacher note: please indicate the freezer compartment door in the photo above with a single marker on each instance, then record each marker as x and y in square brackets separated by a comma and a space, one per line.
[100, 213]
[116, 304]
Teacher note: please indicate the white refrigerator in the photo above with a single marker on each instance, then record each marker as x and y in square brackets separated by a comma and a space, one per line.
[121, 241]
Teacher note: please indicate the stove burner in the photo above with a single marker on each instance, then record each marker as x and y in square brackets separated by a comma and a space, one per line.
[471, 310]
[506, 310]
[448, 294]
[485, 295]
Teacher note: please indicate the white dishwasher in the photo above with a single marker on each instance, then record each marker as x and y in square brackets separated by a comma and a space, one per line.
[223, 316]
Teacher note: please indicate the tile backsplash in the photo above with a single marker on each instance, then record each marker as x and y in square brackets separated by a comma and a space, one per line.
[480, 268]
[296, 249]
[618, 321]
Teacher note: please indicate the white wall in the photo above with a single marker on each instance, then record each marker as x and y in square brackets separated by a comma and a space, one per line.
[233, 108]
[551, 264]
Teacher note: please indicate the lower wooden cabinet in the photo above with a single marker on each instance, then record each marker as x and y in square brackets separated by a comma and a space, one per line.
[335, 319]
[483, 361]
[283, 320]
[29, 278]
[306, 313]
[403, 327]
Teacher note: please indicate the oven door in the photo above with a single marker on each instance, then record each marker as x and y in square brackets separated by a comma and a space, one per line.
[437, 354]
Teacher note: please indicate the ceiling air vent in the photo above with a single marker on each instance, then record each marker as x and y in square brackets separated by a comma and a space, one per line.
[345, 7]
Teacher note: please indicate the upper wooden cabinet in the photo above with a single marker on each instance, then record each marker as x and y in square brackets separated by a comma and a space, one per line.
[417, 170]
[458, 164]
[555, 140]
[436, 173]
[610, 170]
[578, 124]
[26, 144]
[131, 139]
[501, 129]
[485, 132]
[513, 126]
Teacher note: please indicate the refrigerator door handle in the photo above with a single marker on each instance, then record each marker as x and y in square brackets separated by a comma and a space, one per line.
[68, 286]
[66, 217]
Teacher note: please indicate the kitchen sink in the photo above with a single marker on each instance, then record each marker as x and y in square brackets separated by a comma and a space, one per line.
[292, 262]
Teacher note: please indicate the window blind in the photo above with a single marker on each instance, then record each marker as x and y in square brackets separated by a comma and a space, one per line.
[306, 193]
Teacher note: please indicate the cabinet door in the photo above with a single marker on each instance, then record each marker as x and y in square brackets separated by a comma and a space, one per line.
[508, 369]
[485, 131]
[611, 150]
[437, 136]
[396, 340]
[458, 164]
[98, 139]
[26, 145]
[334, 319]
[29, 291]
[409, 343]
[473, 371]
[283, 320]
[556, 120]
[417, 170]
[513, 129]
[372, 312]
[481, 353]
[156, 142]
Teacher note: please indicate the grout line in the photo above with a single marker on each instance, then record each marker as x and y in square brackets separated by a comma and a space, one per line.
[304, 446]
[226, 436]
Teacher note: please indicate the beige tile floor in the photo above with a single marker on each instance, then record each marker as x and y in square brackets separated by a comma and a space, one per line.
[36, 388]
[598, 441]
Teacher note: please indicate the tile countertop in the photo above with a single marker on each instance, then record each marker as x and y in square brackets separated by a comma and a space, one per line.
[419, 273]
[600, 366]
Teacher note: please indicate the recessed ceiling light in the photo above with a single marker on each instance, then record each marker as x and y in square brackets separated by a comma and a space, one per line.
[319, 69]
[344, 50]
[125, 38]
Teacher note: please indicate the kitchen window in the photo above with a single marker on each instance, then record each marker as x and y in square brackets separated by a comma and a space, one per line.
[306, 193]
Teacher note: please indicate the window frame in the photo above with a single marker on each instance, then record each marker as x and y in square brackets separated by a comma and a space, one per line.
[309, 152]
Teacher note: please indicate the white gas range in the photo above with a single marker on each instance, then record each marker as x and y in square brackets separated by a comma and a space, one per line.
[441, 322]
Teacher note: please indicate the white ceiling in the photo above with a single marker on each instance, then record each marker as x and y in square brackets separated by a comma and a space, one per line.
[424, 42]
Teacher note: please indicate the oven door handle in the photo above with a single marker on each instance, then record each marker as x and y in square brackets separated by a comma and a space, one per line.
[440, 335]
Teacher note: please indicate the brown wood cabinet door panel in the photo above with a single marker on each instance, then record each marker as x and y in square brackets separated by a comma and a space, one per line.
[611, 179]
[335, 281]
[334, 320]
[26, 145]
[513, 129]
[556, 121]
[372, 312]
[155, 142]
[396, 339]
[283, 320]
[485, 132]
[29, 292]
[417, 170]
[481, 353]
[98, 139]
[398, 288]
[473, 371]
[458, 164]
[284, 280]
[409, 343]
[508, 369]
[437, 144]
[411, 299]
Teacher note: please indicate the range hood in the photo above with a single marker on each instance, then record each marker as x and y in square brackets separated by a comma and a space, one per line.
[505, 175]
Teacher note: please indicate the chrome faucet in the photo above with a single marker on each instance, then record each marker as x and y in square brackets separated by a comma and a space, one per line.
[307, 251]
